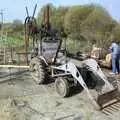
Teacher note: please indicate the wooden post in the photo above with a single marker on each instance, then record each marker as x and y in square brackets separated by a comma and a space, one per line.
[26, 47]
[4, 55]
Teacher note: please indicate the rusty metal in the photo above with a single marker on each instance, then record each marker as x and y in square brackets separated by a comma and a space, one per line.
[44, 17]
[26, 47]
[108, 99]
[26, 37]
[117, 105]
[107, 112]
[115, 108]
[111, 109]
[47, 16]
[29, 28]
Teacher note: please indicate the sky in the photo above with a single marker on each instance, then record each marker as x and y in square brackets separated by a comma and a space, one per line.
[15, 9]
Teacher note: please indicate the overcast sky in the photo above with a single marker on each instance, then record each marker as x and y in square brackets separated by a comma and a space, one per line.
[15, 9]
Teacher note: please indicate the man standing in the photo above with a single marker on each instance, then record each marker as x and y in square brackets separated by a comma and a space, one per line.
[115, 48]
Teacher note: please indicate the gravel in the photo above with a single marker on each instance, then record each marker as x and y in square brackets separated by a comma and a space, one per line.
[22, 99]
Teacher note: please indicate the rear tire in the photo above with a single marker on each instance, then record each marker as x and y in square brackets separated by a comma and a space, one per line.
[62, 87]
[37, 70]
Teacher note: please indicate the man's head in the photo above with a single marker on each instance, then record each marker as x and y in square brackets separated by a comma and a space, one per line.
[113, 41]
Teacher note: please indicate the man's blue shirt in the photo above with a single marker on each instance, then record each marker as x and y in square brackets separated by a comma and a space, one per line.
[115, 48]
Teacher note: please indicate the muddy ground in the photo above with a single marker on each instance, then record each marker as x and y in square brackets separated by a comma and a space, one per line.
[22, 99]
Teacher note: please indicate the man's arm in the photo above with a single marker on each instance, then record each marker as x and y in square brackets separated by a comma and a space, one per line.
[111, 48]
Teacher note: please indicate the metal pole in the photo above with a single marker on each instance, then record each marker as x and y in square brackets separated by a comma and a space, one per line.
[1, 24]
[1, 13]
[1, 16]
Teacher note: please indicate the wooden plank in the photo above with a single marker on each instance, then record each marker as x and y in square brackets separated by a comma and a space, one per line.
[13, 66]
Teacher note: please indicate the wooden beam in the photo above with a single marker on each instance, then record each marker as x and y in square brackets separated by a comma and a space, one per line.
[13, 66]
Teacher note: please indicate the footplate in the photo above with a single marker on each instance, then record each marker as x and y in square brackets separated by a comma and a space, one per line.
[108, 98]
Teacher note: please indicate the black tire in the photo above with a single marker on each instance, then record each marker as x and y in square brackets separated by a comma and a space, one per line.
[37, 70]
[62, 87]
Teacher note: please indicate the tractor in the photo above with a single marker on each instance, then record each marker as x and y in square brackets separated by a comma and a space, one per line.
[49, 60]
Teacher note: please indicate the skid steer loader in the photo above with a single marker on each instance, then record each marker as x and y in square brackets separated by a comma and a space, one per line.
[48, 60]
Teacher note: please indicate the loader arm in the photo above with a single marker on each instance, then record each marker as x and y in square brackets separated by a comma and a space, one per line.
[108, 97]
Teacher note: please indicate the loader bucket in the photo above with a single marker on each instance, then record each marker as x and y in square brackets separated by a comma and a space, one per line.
[108, 99]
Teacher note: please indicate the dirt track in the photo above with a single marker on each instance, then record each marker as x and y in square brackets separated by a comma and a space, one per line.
[22, 99]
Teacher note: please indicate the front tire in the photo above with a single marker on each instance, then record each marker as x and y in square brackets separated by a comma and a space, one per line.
[62, 87]
[37, 70]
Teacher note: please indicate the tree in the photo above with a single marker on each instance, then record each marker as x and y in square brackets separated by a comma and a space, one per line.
[116, 33]
[57, 19]
[75, 17]
[98, 26]
[91, 22]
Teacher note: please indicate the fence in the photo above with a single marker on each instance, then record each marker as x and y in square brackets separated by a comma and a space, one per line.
[12, 55]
